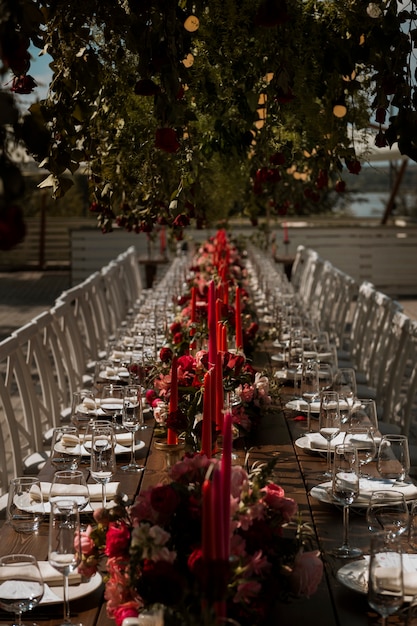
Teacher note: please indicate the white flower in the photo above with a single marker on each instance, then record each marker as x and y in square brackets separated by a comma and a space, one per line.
[374, 10]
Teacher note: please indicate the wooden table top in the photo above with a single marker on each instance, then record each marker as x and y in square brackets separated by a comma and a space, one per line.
[296, 471]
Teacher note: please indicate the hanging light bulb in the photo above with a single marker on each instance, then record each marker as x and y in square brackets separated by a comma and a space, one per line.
[339, 107]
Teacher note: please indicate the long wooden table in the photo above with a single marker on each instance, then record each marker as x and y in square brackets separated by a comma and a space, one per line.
[296, 471]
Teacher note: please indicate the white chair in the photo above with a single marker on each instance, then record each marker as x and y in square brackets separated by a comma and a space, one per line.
[21, 436]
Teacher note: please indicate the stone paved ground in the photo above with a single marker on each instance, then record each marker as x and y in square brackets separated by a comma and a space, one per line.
[23, 295]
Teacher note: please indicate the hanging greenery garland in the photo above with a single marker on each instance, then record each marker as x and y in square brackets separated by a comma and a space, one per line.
[200, 111]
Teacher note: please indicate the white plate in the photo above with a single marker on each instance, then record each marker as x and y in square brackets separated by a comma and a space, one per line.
[302, 406]
[310, 442]
[55, 594]
[322, 492]
[354, 575]
[118, 449]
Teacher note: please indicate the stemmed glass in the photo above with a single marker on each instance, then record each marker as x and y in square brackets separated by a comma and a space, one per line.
[345, 489]
[364, 414]
[388, 511]
[362, 439]
[325, 377]
[71, 485]
[83, 408]
[64, 543]
[329, 422]
[21, 584]
[385, 580]
[102, 459]
[393, 460]
[345, 385]
[111, 403]
[132, 419]
[310, 386]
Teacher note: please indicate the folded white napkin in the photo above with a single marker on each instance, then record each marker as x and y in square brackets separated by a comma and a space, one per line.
[123, 439]
[367, 486]
[318, 442]
[94, 490]
[53, 578]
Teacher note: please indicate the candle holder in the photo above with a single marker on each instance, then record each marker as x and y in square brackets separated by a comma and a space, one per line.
[172, 451]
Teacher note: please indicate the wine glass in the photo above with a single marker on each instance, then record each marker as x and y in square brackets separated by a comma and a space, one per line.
[329, 422]
[21, 584]
[393, 460]
[71, 485]
[83, 408]
[310, 386]
[364, 414]
[345, 489]
[362, 439]
[65, 447]
[388, 511]
[325, 377]
[295, 359]
[111, 403]
[345, 384]
[385, 580]
[64, 543]
[102, 458]
[132, 418]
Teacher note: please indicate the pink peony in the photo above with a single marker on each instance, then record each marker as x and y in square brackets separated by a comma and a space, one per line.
[306, 573]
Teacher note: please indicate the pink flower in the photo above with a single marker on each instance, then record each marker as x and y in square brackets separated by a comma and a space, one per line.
[246, 591]
[239, 481]
[87, 544]
[306, 573]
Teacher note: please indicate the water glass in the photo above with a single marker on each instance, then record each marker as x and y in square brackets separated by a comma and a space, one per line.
[111, 403]
[65, 448]
[385, 580]
[364, 414]
[21, 584]
[393, 457]
[363, 440]
[25, 506]
[388, 512]
[83, 408]
[71, 485]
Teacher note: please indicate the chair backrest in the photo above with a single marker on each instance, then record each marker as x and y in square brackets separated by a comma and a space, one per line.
[360, 317]
[71, 343]
[21, 443]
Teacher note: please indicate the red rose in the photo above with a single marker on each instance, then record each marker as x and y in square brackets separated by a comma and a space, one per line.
[177, 338]
[175, 328]
[340, 186]
[23, 84]
[165, 355]
[130, 609]
[353, 166]
[181, 220]
[161, 583]
[117, 539]
[166, 139]
[164, 500]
